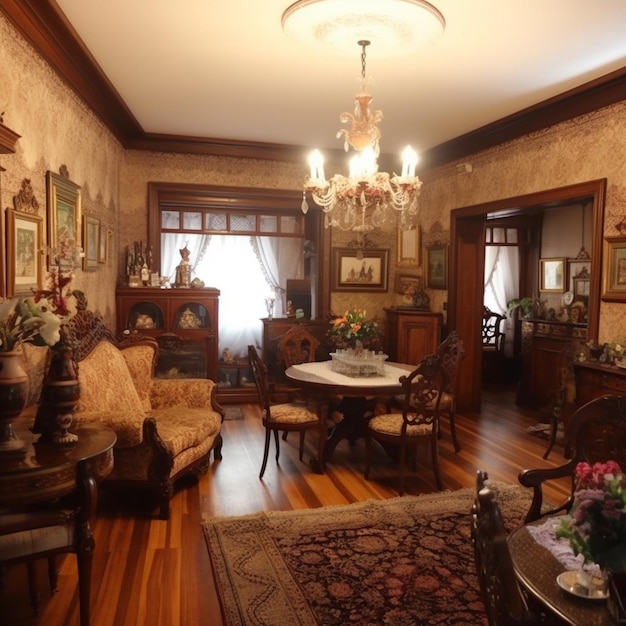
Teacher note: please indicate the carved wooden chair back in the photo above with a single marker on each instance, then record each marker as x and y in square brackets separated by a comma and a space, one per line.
[297, 346]
[450, 352]
[418, 422]
[504, 602]
[596, 432]
[492, 332]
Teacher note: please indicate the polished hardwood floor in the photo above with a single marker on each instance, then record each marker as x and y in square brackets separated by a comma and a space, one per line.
[151, 572]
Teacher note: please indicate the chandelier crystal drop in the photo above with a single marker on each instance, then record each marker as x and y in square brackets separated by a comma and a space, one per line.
[366, 198]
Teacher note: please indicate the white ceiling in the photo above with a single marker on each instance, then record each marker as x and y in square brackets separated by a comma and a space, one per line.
[226, 70]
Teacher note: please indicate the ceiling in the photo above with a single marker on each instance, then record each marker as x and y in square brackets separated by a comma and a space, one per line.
[226, 70]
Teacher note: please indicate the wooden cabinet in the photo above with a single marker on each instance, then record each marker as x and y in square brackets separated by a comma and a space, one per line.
[545, 348]
[594, 380]
[411, 334]
[183, 321]
[274, 329]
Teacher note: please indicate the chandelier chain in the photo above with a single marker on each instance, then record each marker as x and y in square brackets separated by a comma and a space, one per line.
[363, 43]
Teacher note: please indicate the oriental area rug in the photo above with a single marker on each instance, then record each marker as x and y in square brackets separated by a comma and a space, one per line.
[399, 562]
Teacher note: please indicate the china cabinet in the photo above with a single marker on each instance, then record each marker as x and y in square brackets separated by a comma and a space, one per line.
[185, 323]
[594, 379]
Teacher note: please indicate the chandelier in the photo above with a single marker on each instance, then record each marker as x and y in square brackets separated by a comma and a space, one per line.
[366, 198]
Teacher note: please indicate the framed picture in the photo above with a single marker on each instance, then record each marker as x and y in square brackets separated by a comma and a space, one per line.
[581, 287]
[362, 270]
[552, 275]
[409, 247]
[437, 266]
[577, 268]
[103, 244]
[91, 239]
[64, 234]
[24, 245]
[407, 284]
[614, 269]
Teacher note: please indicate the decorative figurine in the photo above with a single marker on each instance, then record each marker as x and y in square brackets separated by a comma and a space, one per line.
[183, 271]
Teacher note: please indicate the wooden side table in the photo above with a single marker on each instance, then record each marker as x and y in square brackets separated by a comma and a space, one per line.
[50, 471]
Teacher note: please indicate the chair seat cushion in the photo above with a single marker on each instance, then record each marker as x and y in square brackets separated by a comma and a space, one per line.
[181, 430]
[292, 413]
[391, 424]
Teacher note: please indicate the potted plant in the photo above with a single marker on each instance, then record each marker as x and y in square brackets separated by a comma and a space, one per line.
[529, 306]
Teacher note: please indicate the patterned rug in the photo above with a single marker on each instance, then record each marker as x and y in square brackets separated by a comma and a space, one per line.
[407, 560]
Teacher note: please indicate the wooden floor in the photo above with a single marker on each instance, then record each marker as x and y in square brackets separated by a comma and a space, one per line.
[151, 572]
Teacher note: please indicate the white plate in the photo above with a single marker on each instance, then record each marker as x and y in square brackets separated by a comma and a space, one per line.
[568, 581]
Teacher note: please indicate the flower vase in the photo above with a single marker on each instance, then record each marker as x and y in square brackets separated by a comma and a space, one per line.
[13, 398]
[60, 395]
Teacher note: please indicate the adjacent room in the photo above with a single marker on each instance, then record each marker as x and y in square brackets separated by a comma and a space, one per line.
[311, 313]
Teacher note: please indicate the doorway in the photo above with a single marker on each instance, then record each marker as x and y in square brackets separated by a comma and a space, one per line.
[467, 264]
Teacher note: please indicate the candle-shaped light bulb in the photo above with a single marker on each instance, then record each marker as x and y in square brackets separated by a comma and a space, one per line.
[409, 161]
[316, 163]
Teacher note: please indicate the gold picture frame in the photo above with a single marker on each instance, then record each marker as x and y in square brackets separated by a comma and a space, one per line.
[552, 275]
[409, 247]
[614, 269]
[91, 239]
[24, 247]
[437, 266]
[64, 219]
[362, 270]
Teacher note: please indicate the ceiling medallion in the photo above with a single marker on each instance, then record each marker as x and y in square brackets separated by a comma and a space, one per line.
[397, 26]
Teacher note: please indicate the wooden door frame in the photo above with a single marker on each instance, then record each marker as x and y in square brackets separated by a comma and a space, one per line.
[465, 308]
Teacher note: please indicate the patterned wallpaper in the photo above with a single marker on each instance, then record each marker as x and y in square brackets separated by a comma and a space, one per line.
[57, 128]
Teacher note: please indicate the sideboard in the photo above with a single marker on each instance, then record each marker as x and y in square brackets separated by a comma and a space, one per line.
[594, 380]
[545, 348]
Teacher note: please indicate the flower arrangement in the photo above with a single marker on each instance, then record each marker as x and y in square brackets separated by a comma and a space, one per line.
[38, 318]
[353, 327]
[596, 525]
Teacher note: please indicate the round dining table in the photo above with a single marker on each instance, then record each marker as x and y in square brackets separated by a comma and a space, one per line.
[354, 397]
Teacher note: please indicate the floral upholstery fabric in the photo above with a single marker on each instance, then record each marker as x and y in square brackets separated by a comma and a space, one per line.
[140, 362]
[292, 413]
[108, 394]
[391, 424]
[181, 430]
[181, 393]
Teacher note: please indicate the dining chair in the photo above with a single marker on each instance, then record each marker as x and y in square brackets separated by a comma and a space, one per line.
[596, 432]
[417, 423]
[31, 534]
[505, 602]
[492, 338]
[450, 352]
[288, 416]
[297, 346]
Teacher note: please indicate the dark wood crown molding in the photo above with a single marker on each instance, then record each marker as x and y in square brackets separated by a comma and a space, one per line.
[44, 26]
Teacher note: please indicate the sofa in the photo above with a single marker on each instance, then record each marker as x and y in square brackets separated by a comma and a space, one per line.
[166, 428]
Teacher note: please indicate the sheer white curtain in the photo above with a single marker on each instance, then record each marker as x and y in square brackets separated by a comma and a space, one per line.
[246, 270]
[501, 284]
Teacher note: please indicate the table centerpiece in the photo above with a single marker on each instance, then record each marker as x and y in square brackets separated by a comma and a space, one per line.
[353, 333]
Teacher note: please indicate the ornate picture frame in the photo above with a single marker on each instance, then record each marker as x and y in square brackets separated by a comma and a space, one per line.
[437, 266]
[360, 270]
[409, 247]
[614, 269]
[91, 239]
[63, 218]
[24, 247]
[552, 275]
